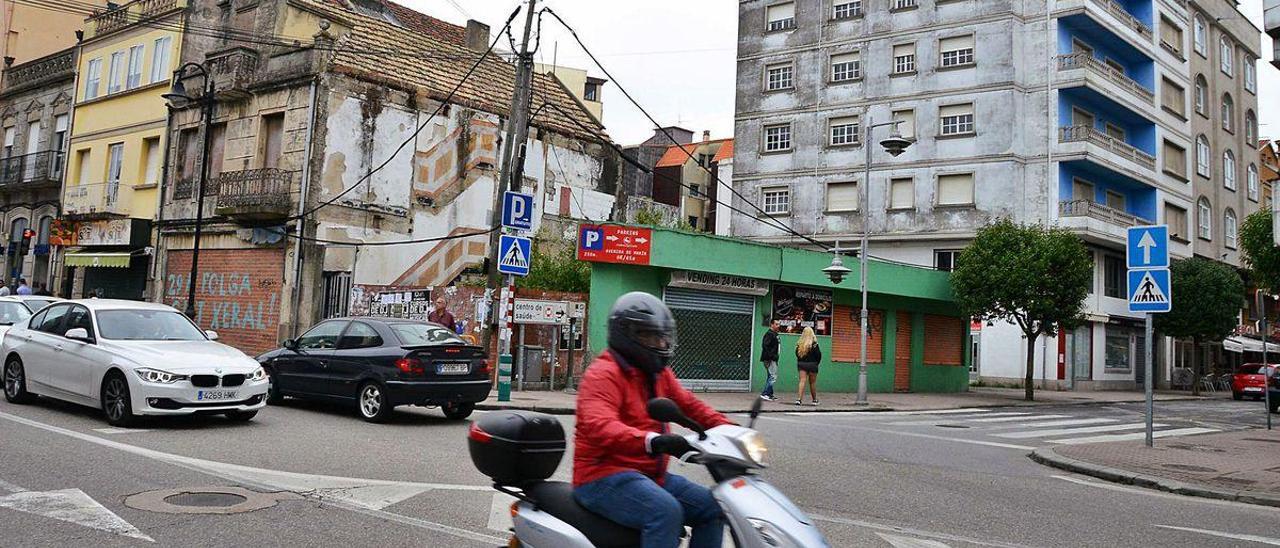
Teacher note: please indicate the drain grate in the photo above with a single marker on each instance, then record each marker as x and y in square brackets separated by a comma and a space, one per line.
[1189, 467]
[205, 500]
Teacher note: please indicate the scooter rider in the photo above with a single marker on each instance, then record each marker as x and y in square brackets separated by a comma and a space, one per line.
[620, 454]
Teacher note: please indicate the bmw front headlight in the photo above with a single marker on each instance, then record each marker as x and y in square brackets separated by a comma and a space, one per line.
[258, 374]
[753, 445]
[157, 376]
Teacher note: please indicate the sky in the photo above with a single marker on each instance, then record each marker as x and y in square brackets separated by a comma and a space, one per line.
[679, 61]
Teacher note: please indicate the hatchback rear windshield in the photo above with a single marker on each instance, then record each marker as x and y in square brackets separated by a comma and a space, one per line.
[11, 313]
[1251, 369]
[414, 334]
[147, 325]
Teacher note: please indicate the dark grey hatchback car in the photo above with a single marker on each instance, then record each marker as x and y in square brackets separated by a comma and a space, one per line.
[378, 364]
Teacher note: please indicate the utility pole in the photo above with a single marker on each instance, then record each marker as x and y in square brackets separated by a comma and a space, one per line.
[510, 175]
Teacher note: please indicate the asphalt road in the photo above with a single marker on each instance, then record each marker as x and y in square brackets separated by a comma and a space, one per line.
[918, 480]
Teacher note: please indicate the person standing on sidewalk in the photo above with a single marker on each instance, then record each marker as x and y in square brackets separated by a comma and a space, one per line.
[808, 356]
[769, 357]
[441, 315]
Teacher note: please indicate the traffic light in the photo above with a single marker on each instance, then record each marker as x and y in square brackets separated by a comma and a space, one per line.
[27, 235]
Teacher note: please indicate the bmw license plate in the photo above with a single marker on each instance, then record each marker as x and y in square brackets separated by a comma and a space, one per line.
[453, 368]
[215, 395]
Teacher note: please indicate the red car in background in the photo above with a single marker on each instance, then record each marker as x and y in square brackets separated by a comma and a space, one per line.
[1249, 380]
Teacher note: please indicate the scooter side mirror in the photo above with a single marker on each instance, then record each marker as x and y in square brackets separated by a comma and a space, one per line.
[665, 410]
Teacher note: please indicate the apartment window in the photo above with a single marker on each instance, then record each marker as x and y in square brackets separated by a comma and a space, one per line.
[115, 75]
[945, 259]
[135, 67]
[1204, 219]
[1229, 228]
[1176, 218]
[955, 189]
[1251, 182]
[1175, 159]
[1082, 118]
[1250, 128]
[1113, 131]
[956, 119]
[779, 76]
[902, 193]
[1083, 190]
[1202, 95]
[82, 163]
[1228, 113]
[188, 152]
[1171, 36]
[591, 91]
[61, 126]
[1226, 54]
[151, 157]
[1229, 170]
[904, 4]
[776, 201]
[956, 51]
[272, 139]
[1117, 66]
[115, 161]
[10, 136]
[777, 138]
[1173, 98]
[695, 190]
[92, 79]
[1203, 153]
[904, 58]
[1200, 30]
[846, 66]
[1115, 200]
[907, 127]
[217, 148]
[780, 17]
[1250, 74]
[844, 131]
[842, 196]
[846, 10]
[1113, 274]
[160, 59]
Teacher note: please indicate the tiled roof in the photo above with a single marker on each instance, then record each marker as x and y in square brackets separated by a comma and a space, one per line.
[726, 151]
[489, 89]
[674, 156]
[427, 24]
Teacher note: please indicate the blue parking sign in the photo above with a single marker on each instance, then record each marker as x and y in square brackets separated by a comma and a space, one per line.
[517, 210]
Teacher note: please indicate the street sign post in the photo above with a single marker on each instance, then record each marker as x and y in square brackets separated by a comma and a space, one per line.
[517, 210]
[514, 254]
[1150, 292]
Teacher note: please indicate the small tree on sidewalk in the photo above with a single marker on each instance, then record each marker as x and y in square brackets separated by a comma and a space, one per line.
[1207, 296]
[1031, 276]
[1261, 255]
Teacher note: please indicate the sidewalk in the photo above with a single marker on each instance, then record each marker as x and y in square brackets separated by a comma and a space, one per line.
[1240, 466]
[561, 403]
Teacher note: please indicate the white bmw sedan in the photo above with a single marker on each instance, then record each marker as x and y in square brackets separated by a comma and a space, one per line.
[129, 358]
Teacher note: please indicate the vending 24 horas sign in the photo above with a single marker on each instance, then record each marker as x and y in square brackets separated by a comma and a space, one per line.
[796, 308]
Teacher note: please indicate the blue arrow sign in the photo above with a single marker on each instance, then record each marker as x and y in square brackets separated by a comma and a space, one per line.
[1148, 247]
[514, 255]
[1149, 291]
[517, 210]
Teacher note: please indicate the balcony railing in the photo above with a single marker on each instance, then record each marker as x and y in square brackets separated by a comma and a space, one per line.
[45, 69]
[1084, 60]
[94, 201]
[1122, 14]
[35, 169]
[233, 70]
[129, 14]
[1088, 134]
[1095, 210]
[255, 194]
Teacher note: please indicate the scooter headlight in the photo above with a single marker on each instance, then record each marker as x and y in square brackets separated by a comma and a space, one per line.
[753, 444]
[771, 535]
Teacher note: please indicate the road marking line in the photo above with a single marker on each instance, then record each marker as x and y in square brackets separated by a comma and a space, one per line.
[110, 431]
[974, 418]
[908, 542]
[912, 531]
[908, 434]
[310, 485]
[500, 513]
[6, 486]
[949, 411]
[1069, 422]
[1072, 431]
[1161, 494]
[1137, 435]
[72, 506]
[882, 414]
[1223, 534]
[1016, 419]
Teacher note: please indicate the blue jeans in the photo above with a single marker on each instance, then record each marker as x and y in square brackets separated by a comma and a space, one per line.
[771, 376]
[660, 512]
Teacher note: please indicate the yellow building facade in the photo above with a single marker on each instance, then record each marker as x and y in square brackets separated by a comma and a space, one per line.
[116, 156]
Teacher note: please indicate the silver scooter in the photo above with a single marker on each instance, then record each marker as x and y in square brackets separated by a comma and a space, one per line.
[758, 515]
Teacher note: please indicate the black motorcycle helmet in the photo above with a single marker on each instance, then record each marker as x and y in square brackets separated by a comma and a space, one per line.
[643, 331]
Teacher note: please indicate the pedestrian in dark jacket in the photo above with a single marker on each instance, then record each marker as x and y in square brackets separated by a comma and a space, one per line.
[808, 357]
[769, 357]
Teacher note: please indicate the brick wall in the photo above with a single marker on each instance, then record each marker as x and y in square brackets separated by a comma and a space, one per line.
[902, 354]
[944, 344]
[238, 294]
[846, 336]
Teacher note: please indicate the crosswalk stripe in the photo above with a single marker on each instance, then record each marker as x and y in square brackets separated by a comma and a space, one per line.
[1068, 422]
[1137, 435]
[932, 420]
[949, 411]
[1019, 435]
[1016, 419]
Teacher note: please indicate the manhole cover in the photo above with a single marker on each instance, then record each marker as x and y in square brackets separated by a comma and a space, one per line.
[1189, 467]
[205, 500]
[951, 426]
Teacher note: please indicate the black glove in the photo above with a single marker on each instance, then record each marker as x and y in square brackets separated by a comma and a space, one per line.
[670, 444]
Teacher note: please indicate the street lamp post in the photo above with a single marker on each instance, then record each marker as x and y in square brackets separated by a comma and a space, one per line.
[177, 96]
[894, 145]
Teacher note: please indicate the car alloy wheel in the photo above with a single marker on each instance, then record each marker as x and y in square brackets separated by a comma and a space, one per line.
[372, 401]
[15, 382]
[115, 400]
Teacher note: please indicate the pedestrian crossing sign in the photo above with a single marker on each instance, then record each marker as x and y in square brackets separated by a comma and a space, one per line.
[1149, 291]
[514, 255]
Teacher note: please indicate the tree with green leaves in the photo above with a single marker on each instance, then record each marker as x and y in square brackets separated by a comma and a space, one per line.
[1207, 296]
[1032, 276]
[1261, 255]
[555, 267]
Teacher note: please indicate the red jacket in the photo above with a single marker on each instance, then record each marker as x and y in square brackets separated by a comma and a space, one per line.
[612, 420]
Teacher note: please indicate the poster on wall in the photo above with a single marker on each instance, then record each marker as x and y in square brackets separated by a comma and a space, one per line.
[796, 308]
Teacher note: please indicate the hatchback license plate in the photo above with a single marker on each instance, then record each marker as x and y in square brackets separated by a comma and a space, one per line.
[1253, 389]
[453, 368]
[215, 395]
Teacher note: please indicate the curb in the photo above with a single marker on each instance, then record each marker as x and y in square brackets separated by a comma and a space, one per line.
[1048, 457]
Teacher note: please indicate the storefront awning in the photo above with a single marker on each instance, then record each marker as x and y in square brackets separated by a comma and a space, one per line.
[1245, 344]
[101, 260]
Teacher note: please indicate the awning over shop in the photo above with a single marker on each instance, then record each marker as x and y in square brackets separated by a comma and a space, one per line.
[101, 260]
[1246, 344]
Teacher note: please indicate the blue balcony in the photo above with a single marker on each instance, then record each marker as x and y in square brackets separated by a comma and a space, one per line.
[1100, 204]
[1090, 54]
[1094, 124]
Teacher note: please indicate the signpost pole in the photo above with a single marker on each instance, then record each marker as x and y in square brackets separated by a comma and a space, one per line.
[504, 340]
[568, 370]
[1266, 370]
[1148, 381]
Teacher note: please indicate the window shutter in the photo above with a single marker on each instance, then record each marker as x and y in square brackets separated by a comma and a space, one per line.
[778, 12]
[842, 196]
[955, 42]
[955, 110]
[955, 189]
[902, 193]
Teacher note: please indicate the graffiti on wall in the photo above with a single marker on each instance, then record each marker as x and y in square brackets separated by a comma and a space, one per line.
[238, 294]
